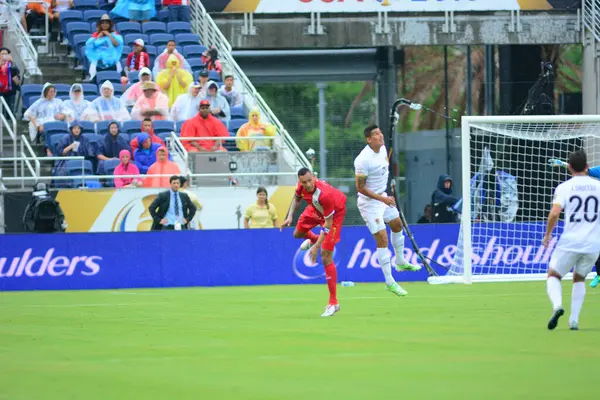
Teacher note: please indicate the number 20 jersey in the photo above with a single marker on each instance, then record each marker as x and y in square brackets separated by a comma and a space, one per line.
[579, 197]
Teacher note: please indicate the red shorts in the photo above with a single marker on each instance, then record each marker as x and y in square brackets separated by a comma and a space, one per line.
[309, 219]
[334, 235]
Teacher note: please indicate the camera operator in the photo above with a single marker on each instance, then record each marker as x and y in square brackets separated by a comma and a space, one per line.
[43, 214]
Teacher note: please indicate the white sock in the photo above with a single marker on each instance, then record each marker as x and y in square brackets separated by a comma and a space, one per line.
[383, 257]
[554, 290]
[398, 243]
[92, 70]
[577, 300]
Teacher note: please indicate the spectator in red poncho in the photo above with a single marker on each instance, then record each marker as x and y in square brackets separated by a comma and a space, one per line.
[203, 125]
[149, 129]
[138, 58]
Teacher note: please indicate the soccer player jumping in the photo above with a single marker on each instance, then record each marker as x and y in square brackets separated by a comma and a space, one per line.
[327, 208]
[377, 209]
[579, 244]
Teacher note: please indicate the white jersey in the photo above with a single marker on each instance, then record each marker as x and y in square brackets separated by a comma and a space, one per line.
[375, 167]
[580, 198]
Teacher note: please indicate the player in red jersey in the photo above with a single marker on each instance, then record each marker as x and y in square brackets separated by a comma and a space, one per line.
[327, 208]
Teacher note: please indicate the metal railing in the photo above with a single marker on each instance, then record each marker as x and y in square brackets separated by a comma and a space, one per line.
[11, 128]
[26, 153]
[24, 49]
[210, 34]
[175, 146]
[591, 16]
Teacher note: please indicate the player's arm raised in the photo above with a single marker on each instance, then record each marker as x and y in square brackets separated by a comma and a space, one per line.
[557, 206]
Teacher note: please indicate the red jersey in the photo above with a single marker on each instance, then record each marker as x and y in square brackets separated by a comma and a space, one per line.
[325, 199]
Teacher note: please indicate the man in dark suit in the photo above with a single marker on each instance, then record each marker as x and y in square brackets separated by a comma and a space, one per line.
[172, 209]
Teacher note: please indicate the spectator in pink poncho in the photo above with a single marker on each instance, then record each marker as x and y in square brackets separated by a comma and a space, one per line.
[126, 168]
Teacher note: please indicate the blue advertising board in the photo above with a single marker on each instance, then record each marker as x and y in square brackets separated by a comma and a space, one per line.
[236, 257]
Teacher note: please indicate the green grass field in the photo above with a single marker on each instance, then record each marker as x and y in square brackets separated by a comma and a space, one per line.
[485, 341]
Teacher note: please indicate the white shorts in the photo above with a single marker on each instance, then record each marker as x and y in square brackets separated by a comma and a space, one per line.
[376, 214]
[563, 261]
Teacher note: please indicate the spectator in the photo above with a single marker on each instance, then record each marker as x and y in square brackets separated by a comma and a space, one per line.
[135, 91]
[77, 105]
[179, 10]
[46, 109]
[174, 80]
[73, 145]
[261, 214]
[10, 78]
[162, 60]
[107, 107]
[153, 104]
[138, 58]
[442, 200]
[111, 147]
[37, 11]
[103, 49]
[426, 217]
[145, 155]
[59, 7]
[219, 106]
[126, 167]
[135, 10]
[234, 98]
[195, 223]
[149, 129]
[210, 58]
[186, 105]
[162, 166]
[203, 83]
[254, 128]
[171, 209]
[203, 125]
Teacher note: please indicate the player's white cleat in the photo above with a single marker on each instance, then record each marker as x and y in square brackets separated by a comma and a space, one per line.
[330, 310]
[307, 244]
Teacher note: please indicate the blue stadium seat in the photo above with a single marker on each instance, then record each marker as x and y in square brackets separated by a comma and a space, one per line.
[152, 27]
[63, 97]
[185, 39]
[75, 28]
[178, 27]
[162, 15]
[105, 5]
[55, 128]
[53, 143]
[125, 136]
[109, 169]
[160, 39]
[87, 127]
[164, 136]
[102, 127]
[235, 124]
[193, 50]
[112, 76]
[90, 89]
[238, 112]
[73, 167]
[196, 64]
[130, 37]
[126, 50]
[69, 16]
[125, 28]
[90, 98]
[151, 50]
[130, 127]
[30, 93]
[214, 76]
[95, 138]
[178, 126]
[118, 90]
[83, 5]
[133, 76]
[163, 126]
[78, 42]
[93, 16]
[62, 89]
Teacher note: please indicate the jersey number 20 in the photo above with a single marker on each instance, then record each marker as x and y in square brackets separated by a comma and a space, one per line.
[590, 208]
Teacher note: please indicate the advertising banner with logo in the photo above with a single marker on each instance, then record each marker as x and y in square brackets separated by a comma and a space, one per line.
[357, 6]
[235, 257]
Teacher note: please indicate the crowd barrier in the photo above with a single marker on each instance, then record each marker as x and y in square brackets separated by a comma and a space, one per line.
[227, 257]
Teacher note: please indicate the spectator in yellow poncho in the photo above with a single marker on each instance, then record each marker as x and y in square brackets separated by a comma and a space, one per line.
[173, 80]
[255, 128]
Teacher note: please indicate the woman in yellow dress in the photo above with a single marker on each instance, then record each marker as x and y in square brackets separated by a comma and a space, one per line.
[261, 214]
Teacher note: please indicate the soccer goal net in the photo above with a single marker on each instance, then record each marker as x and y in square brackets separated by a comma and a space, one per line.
[510, 168]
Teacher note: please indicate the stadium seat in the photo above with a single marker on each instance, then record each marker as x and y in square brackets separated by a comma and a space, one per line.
[230, 145]
[125, 28]
[152, 27]
[178, 126]
[87, 127]
[126, 50]
[238, 112]
[68, 16]
[118, 90]
[105, 5]
[78, 42]
[75, 28]
[163, 15]
[73, 168]
[193, 50]
[235, 124]
[102, 127]
[93, 16]
[53, 143]
[163, 127]
[214, 76]
[55, 128]
[196, 64]
[133, 76]
[160, 39]
[90, 89]
[30, 93]
[112, 76]
[130, 127]
[164, 136]
[95, 138]
[130, 37]
[109, 169]
[175, 28]
[63, 97]
[62, 89]
[185, 39]
[84, 5]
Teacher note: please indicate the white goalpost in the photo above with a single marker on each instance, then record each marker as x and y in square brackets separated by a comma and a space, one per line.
[508, 178]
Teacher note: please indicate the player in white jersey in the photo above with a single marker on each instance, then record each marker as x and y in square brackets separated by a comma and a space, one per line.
[377, 209]
[579, 245]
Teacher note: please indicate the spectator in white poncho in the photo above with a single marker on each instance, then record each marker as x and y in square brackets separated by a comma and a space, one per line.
[107, 107]
[186, 105]
[77, 105]
[46, 109]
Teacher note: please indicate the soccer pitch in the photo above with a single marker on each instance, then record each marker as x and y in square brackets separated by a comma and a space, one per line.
[484, 341]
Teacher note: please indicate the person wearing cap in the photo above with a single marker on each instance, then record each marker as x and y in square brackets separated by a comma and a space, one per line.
[174, 80]
[138, 58]
[186, 105]
[103, 49]
[162, 60]
[219, 106]
[76, 104]
[135, 10]
[73, 145]
[135, 91]
[45, 109]
[204, 124]
[107, 107]
[152, 104]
